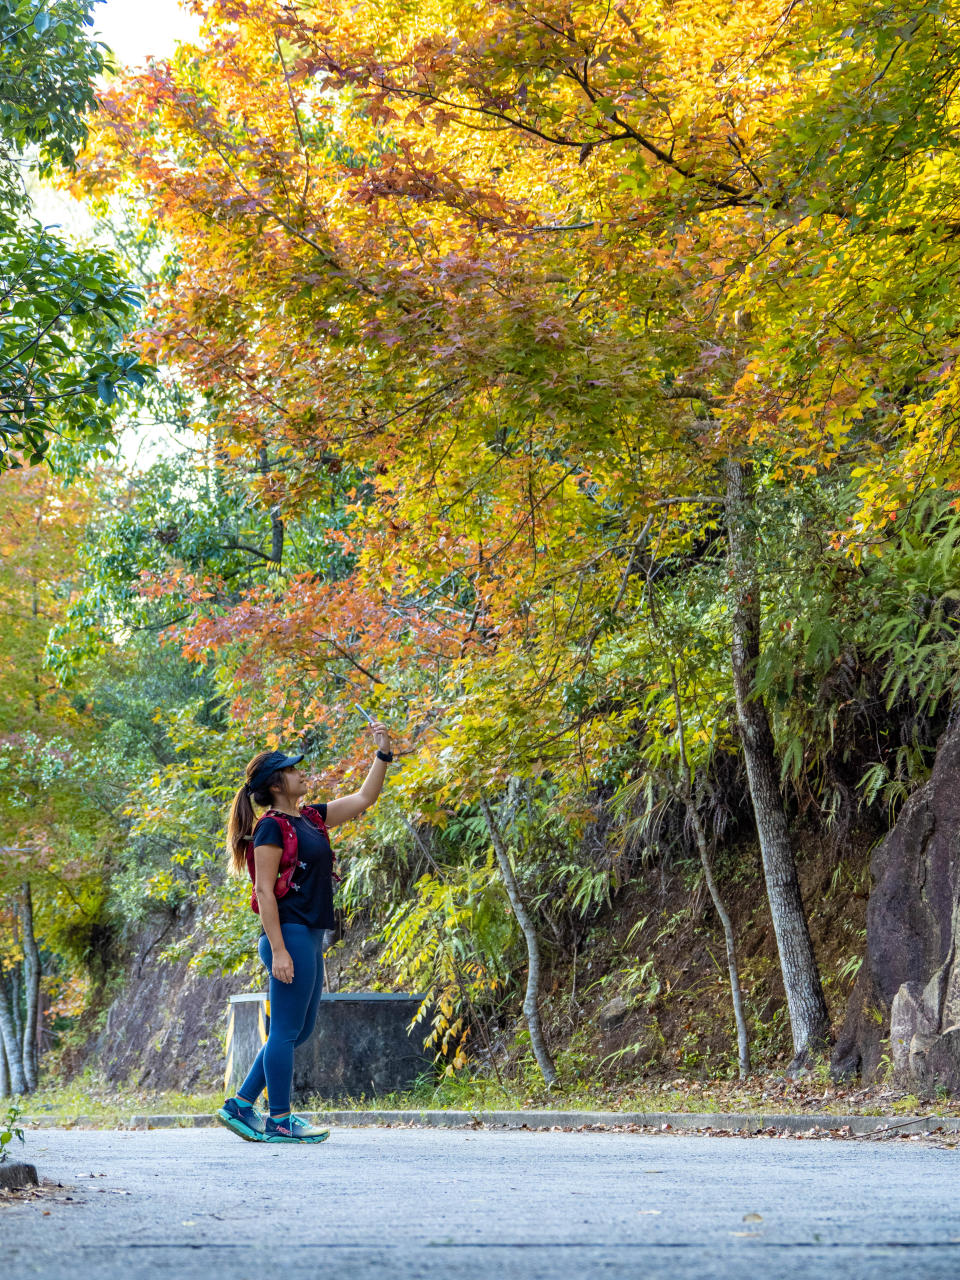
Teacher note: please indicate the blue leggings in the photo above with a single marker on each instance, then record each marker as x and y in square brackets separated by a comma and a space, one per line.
[293, 1015]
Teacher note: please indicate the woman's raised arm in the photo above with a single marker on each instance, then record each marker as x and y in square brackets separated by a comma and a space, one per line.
[346, 807]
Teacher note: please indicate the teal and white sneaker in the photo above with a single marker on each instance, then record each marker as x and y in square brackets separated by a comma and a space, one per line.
[293, 1129]
[242, 1119]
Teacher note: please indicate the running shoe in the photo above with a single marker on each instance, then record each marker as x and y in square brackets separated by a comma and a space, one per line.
[293, 1129]
[243, 1120]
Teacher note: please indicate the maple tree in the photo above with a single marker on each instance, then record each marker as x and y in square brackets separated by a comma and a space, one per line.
[574, 436]
[570, 311]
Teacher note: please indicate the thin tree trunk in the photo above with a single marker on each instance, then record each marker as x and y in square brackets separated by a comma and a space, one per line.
[11, 1041]
[31, 989]
[276, 523]
[809, 1018]
[531, 1000]
[4, 1069]
[276, 536]
[706, 861]
[15, 1003]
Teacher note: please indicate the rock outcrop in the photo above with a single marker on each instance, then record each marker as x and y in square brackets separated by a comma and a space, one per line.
[166, 1028]
[909, 984]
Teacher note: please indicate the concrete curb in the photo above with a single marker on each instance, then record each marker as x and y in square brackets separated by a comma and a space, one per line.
[17, 1174]
[660, 1121]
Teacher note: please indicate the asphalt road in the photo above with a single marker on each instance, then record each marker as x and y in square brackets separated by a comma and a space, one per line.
[403, 1203]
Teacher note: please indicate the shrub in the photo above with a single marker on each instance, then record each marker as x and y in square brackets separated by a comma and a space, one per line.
[9, 1130]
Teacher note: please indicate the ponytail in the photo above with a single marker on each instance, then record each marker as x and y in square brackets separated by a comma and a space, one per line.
[239, 831]
[242, 819]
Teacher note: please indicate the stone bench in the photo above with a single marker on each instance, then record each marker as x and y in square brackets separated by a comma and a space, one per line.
[360, 1047]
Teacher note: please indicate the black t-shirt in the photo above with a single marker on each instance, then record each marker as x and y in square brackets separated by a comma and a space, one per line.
[310, 899]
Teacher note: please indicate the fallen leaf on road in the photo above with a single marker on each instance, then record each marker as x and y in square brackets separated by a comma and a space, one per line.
[753, 1217]
[649, 1211]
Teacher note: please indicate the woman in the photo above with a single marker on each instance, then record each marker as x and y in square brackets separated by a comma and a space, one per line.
[291, 945]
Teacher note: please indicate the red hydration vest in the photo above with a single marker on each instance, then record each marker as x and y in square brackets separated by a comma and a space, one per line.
[289, 860]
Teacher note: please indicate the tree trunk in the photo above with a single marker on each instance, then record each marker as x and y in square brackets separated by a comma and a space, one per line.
[276, 523]
[4, 1070]
[706, 861]
[11, 1041]
[276, 536]
[736, 994]
[15, 1009]
[809, 1019]
[531, 1000]
[31, 989]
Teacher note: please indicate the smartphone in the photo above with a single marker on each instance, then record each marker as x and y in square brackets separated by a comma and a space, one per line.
[366, 714]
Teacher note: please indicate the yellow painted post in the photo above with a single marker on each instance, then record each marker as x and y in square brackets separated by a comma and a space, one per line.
[263, 1016]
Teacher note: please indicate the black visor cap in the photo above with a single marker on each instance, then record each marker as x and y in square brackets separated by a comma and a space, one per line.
[274, 761]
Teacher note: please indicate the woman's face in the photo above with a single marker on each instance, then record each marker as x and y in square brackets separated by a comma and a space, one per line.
[295, 782]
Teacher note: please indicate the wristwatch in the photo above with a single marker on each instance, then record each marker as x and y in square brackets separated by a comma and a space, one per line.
[386, 756]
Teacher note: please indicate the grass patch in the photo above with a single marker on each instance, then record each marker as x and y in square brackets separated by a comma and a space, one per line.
[89, 1097]
[763, 1094]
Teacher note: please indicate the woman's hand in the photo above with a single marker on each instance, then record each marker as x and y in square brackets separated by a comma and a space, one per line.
[282, 968]
[381, 735]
